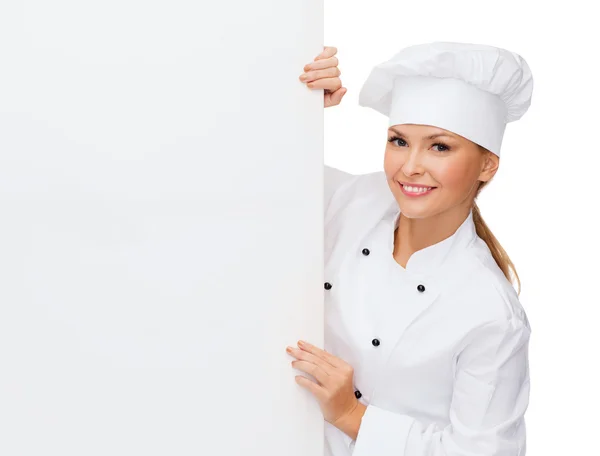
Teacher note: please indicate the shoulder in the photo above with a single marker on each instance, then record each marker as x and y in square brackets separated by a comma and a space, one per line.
[358, 185]
[355, 208]
[489, 294]
[358, 189]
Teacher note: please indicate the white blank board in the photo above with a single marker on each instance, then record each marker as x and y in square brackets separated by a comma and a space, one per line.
[160, 227]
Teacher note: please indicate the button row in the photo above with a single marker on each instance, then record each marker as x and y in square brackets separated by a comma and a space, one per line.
[366, 252]
[375, 342]
[421, 288]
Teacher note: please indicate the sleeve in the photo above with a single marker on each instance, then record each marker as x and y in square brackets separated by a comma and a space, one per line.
[486, 416]
[333, 179]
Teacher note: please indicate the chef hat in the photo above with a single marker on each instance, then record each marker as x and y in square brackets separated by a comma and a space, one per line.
[472, 90]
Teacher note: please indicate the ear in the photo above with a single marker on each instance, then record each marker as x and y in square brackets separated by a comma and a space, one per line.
[489, 166]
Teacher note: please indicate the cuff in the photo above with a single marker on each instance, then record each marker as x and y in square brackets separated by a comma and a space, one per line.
[382, 432]
[347, 440]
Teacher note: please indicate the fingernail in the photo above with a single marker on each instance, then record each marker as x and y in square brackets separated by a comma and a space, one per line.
[301, 343]
[303, 77]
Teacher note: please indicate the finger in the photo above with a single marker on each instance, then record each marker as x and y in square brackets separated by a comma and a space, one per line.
[329, 51]
[331, 84]
[320, 74]
[322, 377]
[318, 391]
[320, 64]
[303, 355]
[310, 348]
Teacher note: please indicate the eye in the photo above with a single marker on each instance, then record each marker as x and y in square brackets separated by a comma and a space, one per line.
[395, 138]
[445, 147]
[442, 147]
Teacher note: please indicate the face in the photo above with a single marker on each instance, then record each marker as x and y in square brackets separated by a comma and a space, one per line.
[425, 156]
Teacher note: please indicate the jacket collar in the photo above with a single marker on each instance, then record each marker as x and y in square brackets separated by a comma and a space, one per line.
[427, 261]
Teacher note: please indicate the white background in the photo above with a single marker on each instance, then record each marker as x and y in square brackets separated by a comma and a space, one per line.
[542, 204]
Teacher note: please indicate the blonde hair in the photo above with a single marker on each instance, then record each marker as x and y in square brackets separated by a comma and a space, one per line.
[483, 231]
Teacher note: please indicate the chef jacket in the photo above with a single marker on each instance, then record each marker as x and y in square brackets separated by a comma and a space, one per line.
[439, 348]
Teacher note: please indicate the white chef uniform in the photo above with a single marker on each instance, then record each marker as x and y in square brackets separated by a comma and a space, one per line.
[439, 348]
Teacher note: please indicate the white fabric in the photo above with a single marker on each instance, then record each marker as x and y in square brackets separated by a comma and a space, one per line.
[472, 90]
[451, 374]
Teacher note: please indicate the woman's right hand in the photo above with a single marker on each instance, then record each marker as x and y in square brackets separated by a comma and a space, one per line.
[324, 73]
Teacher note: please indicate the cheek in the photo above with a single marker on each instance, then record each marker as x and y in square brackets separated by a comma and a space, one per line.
[391, 163]
[453, 174]
[456, 173]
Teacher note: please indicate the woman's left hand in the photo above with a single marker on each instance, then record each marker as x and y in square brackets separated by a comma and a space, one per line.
[335, 388]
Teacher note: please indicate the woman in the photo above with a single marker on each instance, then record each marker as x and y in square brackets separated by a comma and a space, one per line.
[426, 343]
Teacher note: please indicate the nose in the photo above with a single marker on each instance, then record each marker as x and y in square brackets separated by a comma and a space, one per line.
[412, 165]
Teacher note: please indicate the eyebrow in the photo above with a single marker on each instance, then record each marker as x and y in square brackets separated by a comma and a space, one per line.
[437, 135]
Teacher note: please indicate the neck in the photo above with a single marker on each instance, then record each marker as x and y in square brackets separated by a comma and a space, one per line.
[416, 234]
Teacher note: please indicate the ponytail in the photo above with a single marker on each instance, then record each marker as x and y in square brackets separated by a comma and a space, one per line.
[500, 256]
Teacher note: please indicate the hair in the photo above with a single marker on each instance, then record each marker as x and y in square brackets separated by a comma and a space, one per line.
[483, 231]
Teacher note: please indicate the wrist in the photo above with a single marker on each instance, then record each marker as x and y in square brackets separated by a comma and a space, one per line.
[349, 423]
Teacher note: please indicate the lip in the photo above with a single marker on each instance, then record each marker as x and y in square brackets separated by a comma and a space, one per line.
[401, 185]
[415, 185]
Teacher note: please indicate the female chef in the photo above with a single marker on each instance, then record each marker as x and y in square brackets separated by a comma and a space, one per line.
[426, 342]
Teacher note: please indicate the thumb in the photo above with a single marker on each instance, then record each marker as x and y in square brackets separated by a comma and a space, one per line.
[336, 97]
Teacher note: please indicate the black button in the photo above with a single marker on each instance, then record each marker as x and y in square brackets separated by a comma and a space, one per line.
[421, 288]
[327, 286]
[375, 342]
[366, 251]
[358, 394]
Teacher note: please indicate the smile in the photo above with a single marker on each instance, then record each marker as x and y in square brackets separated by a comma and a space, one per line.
[415, 191]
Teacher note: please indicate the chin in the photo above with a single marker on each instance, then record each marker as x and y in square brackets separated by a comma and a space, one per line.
[414, 211]
[415, 214]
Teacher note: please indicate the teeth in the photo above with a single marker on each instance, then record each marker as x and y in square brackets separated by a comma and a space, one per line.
[416, 189]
